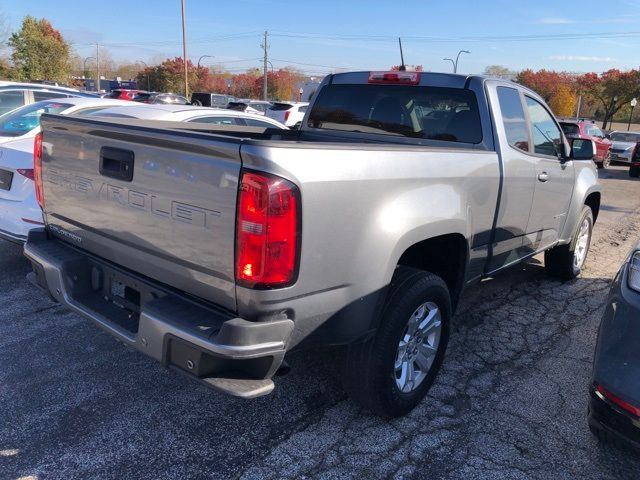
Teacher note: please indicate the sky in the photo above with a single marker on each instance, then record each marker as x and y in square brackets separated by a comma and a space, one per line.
[333, 35]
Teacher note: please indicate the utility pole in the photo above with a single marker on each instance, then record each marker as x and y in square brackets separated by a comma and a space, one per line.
[264, 73]
[184, 54]
[97, 68]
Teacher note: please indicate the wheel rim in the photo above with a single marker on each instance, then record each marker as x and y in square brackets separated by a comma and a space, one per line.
[418, 347]
[582, 244]
[607, 160]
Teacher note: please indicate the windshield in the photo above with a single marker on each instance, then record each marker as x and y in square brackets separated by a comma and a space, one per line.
[23, 120]
[570, 128]
[625, 137]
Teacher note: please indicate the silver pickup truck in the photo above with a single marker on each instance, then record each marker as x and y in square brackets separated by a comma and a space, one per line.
[218, 250]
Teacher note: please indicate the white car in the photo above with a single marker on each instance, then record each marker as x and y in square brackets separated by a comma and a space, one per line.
[14, 95]
[188, 113]
[19, 210]
[289, 113]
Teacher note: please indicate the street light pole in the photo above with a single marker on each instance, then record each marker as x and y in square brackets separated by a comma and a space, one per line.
[204, 56]
[633, 102]
[453, 63]
[609, 113]
[455, 67]
[84, 64]
[184, 54]
[147, 68]
[97, 68]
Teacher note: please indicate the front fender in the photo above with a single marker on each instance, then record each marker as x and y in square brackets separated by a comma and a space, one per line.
[586, 183]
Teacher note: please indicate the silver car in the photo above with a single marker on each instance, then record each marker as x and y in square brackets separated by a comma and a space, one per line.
[623, 145]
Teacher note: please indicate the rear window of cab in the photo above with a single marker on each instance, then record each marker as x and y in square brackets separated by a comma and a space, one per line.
[433, 113]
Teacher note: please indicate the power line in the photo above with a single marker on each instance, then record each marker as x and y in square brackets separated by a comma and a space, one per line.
[472, 38]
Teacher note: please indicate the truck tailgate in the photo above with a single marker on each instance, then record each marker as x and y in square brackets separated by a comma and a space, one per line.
[159, 202]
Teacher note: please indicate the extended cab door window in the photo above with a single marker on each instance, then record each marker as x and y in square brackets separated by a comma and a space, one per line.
[513, 118]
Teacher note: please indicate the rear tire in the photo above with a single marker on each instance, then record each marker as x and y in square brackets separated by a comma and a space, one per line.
[634, 171]
[566, 261]
[390, 373]
[606, 162]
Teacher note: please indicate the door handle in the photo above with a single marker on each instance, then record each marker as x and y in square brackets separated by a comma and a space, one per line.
[543, 177]
[116, 163]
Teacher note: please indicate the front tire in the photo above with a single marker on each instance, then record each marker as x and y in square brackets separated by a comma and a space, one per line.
[634, 171]
[566, 261]
[390, 373]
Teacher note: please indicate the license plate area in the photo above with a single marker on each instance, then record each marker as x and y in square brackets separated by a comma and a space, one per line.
[6, 178]
[117, 297]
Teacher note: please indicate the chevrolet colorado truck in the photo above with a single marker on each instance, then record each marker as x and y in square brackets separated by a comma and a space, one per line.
[217, 250]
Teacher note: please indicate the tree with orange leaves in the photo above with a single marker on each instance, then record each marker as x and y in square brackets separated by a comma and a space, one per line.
[563, 101]
[545, 82]
[611, 90]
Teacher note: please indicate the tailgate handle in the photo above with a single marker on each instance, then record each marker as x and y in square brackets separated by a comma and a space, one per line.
[116, 163]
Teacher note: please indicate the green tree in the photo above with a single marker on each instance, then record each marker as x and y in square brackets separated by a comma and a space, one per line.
[497, 71]
[169, 77]
[39, 52]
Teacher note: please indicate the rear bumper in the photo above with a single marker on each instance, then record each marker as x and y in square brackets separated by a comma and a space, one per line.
[621, 157]
[207, 343]
[12, 237]
[607, 417]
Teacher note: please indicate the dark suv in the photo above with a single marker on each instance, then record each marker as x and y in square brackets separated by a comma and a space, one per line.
[586, 129]
[216, 100]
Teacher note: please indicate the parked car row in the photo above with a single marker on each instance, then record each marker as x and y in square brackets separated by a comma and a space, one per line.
[19, 209]
[287, 113]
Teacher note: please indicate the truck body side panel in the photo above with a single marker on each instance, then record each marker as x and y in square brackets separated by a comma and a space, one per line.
[363, 207]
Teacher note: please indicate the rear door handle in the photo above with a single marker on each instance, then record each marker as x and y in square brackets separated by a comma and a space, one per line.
[543, 177]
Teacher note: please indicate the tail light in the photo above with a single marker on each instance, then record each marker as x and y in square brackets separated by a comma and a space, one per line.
[617, 400]
[267, 231]
[26, 172]
[37, 168]
[395, 78]
[286, 115]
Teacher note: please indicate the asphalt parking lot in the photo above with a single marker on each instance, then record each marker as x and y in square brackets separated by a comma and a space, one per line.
[510, 402]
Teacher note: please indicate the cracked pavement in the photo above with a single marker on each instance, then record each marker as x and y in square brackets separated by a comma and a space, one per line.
[509, 403]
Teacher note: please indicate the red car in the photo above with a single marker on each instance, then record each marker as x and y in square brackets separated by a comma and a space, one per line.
[588, 130]
[124, 93]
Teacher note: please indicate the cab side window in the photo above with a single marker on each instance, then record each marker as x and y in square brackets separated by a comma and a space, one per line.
[39, 96]
[11, 99]
[513, 119]
[547, 139]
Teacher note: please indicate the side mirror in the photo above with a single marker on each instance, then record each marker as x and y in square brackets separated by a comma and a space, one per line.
[582, 149]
